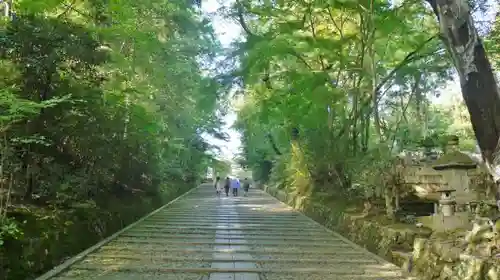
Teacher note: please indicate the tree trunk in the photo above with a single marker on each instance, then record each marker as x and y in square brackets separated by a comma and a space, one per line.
[479, 88]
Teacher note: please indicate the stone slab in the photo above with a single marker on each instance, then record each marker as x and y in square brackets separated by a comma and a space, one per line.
[222, 276]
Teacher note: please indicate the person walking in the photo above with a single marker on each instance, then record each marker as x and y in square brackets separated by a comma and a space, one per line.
[246, 186]
[219, 184]
[217, 179]
[227, 183]
[236, 186]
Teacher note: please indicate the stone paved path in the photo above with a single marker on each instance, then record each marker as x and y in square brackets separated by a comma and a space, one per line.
[202, 237]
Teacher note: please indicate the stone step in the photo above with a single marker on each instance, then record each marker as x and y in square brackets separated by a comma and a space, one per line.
[201, 237]
[229, 226]
[234, 232]
[346, 270]
[225, 276]
[228, 242]
[225, 257]
[230, 236]
[274, 251]
[220, 227]
[240, 221]
[227, 216]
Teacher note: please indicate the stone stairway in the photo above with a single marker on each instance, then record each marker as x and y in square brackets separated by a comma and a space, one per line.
[202, 237]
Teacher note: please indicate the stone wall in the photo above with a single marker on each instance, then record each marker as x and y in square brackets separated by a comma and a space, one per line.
[409, 247]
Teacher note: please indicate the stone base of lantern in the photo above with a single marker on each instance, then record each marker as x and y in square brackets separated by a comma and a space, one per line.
[440, 223]
[447, 207]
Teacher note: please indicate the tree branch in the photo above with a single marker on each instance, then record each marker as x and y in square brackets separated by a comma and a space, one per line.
[241, 19]
[409, 58]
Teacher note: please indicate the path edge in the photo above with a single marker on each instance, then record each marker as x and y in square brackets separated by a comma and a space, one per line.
[65, 265]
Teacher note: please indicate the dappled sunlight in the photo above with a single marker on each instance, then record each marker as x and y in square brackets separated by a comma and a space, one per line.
[226, 250]
[274, 208]
[226, 225]
[278, 210]
[385, 269]
[250, 205]
[420, 191]
[225, 206]
[255, 233]
[105, 265]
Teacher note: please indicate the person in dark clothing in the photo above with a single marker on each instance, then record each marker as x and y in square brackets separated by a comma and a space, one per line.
[216, 186]
[216, 181]
[226, 186]
[246, 186]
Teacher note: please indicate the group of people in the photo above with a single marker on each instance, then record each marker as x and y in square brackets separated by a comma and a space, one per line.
[233, 184]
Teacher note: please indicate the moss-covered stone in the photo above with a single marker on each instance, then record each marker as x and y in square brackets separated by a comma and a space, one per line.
[454, 159]
[438, 259]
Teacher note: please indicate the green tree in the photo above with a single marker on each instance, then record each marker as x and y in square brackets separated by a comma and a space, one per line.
[339, 84]
[103, 105]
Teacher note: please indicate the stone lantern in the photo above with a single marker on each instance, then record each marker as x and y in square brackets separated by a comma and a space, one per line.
[454, 166]
[446, 201]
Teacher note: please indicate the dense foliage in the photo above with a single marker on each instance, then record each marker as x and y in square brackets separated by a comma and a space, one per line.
[101, 102]
[103, 105]
[343, 86]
